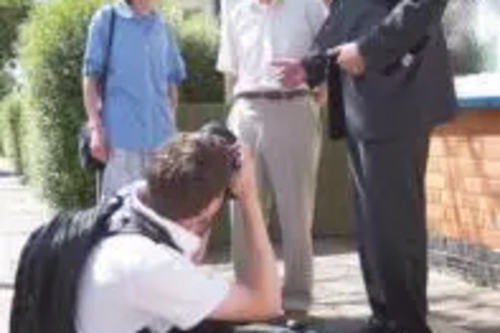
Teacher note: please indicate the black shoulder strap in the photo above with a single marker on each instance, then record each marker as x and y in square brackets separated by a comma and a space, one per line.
[109, 48]
[139, 224]
[142, 225]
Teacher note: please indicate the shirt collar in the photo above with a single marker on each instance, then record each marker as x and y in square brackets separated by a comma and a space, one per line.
[257, 5]
[124, 10]
[186, 240]
[271, 4]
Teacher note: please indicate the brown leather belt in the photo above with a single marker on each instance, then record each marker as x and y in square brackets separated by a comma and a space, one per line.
[274, 95]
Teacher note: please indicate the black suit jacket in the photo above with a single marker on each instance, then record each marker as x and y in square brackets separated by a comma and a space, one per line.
[407, 87]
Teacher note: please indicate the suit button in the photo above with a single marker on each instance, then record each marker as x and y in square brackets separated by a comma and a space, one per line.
[407, 60]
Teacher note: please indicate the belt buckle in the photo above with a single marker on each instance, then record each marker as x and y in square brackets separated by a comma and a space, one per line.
[277, 95]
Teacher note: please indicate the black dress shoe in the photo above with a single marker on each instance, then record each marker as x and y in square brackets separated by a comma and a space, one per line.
[294, 324]
[374, 325]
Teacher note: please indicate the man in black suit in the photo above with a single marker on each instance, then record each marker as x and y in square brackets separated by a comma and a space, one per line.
[390, 84]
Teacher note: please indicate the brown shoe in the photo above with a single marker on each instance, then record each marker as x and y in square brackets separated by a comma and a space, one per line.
[297, 320]
[299, 315]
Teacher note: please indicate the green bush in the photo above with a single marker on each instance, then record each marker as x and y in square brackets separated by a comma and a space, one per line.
[2, 131]
[2, 148]
[51, 51]
[202, 94]
[12, 129]
[198, 38]
[12, 13]
[193, 116]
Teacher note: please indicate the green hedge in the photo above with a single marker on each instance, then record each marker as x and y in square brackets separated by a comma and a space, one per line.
[198, 38]
[12, 129]
[12, 13]
[51, 50]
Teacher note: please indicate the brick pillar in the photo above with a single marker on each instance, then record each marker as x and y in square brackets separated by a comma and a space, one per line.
[463, 194]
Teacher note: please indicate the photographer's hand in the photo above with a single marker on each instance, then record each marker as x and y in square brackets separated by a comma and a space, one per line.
[244, 185]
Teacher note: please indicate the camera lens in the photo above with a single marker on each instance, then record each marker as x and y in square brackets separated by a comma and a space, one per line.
[218, 129]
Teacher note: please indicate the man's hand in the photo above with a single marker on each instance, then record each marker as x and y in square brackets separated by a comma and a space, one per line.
[98, 143]
[93, 106]
[320, 95]
[290, 72]
[349, 58]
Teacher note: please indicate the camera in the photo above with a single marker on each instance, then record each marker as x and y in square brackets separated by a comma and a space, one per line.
[219, 130]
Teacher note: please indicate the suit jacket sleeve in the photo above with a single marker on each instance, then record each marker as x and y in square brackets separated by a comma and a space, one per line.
[408, 22]
[316, 67]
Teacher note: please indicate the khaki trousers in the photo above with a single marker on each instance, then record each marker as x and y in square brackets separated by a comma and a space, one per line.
[285, 137]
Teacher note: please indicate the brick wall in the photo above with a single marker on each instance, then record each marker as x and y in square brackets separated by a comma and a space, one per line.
[463, 190]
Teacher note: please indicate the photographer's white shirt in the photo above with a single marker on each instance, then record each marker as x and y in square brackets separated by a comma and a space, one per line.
[130, 282]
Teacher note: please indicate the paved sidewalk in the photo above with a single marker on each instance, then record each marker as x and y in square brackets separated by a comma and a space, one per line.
[20, 212]
[340, 304]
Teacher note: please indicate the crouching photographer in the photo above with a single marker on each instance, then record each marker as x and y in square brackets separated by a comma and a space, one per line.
[130, 282]
[140, 273]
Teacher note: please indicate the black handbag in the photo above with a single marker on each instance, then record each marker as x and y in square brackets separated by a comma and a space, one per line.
[87, 161]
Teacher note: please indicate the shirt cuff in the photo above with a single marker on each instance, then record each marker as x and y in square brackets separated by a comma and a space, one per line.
[91, 69]
[225, 67]
[177, 77]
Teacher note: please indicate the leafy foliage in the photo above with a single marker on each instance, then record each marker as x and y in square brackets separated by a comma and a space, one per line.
[51, 50]
[198, 36]
[12, 129]
[12, 13]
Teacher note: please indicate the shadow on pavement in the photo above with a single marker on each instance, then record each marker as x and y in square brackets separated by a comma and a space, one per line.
[334, 246]
[319, 325]
[323, 247]
[339, 325]
[6, 173]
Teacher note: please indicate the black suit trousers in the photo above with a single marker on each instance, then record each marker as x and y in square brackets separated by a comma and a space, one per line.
[206, 326]
[209, 326]
[388, 180]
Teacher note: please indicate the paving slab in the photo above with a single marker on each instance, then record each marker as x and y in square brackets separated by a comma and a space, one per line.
[339, 298]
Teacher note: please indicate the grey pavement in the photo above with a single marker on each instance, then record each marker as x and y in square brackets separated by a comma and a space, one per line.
[20, 212]
[339, 305]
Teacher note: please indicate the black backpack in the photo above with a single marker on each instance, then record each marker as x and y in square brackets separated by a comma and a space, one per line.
[52, 261]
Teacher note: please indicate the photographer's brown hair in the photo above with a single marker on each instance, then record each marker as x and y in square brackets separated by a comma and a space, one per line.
[188, 173]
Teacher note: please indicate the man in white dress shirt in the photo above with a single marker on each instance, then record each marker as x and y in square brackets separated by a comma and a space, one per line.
[281, 126]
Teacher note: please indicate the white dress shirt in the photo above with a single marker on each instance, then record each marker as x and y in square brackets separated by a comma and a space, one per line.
[130, 282]
[254, 34]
